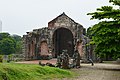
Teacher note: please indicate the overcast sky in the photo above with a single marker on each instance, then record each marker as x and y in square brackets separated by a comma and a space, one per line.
[20, 16]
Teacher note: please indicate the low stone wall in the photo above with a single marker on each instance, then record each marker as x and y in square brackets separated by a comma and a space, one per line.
[118, 60]
[14, 57]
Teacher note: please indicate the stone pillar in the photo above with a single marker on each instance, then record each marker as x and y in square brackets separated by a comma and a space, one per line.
[33, 49]
[28, 52]
[80, 49]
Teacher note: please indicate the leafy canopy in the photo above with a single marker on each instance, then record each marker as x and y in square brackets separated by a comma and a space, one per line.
[10, 44]
[7, 46]
[106, 34]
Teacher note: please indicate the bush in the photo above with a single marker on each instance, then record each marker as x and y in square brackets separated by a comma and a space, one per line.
[1, 58]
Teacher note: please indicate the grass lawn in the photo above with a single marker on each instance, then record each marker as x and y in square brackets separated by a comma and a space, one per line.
[14, 71]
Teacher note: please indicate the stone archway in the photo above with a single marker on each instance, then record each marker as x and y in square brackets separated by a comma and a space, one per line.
[63, 39]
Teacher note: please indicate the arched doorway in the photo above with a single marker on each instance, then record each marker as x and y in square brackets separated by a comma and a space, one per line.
[63, 40]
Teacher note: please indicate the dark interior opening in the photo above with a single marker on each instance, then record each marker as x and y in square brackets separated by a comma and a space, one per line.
[63, 40]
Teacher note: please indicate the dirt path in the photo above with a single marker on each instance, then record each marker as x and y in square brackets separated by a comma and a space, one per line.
[98, 72]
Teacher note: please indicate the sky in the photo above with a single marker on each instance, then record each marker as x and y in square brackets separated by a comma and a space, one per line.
[21, 16]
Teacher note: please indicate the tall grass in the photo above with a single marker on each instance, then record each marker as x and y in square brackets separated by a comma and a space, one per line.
[13, 71]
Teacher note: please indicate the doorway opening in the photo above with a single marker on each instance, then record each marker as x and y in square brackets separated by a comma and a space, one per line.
[63, 40]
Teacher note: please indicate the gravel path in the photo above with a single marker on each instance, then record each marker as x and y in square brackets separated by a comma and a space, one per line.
[99, 71]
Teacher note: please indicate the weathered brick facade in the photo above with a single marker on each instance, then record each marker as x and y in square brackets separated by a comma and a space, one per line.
[61, 33]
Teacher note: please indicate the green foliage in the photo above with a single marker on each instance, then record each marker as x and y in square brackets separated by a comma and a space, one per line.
[4, 35]
[31, 72]
[10, 56]
[106, 34]
[106, 12]
[115, 2]
[10, 44]
[18, 42]
[17, 37]
[1, 58]
[89, 33]
[7, 46]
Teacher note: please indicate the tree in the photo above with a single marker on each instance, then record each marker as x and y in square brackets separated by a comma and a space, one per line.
[89, 33]
[10, 44]
[18, 42]
[106, 34]
[4, 35]
[7, 46]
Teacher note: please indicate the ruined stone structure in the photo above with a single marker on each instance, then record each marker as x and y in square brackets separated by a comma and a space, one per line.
[62, 33]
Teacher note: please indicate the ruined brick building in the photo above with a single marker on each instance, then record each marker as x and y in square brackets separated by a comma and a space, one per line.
[61, 33]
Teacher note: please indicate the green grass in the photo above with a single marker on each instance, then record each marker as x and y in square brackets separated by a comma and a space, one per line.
[13, 71]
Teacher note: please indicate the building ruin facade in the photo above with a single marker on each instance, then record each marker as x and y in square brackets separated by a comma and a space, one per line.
[62, 33]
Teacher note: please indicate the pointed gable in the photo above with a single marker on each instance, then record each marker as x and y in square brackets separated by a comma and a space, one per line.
[61, 21]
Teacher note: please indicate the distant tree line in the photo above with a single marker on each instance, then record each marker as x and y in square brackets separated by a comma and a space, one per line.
[10, 44]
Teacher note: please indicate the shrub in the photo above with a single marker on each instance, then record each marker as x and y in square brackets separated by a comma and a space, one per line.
[1, 58]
